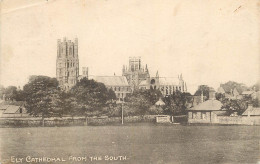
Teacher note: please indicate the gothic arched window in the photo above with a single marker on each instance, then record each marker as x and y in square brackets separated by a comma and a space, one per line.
[70, 51]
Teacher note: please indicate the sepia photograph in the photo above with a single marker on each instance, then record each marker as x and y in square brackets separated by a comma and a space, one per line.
[132, 81]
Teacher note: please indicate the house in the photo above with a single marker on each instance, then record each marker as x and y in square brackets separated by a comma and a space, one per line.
[231, 92]
[207, 111]
[249, 94]
[257, 95]
[13, 109]
[251, 111]
[2, 109]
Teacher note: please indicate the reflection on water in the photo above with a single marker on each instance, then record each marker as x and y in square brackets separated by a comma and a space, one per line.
[140, 144]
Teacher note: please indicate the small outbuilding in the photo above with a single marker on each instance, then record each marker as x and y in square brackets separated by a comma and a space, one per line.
[207, 111]
[160, 103]
[251, 111]
[13, 109]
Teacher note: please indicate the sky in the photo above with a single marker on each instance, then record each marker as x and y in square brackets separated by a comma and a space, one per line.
[208, 42]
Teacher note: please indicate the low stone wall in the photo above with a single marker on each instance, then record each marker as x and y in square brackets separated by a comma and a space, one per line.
[239, 120]
[15, 115]
[76, 121]
[228, 120]
[103, 121]
[36, 122]
[118, 120]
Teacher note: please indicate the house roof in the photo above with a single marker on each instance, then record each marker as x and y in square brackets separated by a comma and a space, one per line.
[160, 102]
[252, 111]
[226, 88]
[168, 81]
[209, 105]
[111, 80]
[3, 107]
[247, 92]
[12, 109]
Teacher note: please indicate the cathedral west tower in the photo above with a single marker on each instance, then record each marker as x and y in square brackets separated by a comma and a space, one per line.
[67, 63]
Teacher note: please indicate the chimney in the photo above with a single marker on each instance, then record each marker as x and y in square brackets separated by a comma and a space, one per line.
[212, 93]
[85, 71]
[202, 97]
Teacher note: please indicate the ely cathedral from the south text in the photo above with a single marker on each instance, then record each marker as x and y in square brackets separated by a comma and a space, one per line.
[134, 76]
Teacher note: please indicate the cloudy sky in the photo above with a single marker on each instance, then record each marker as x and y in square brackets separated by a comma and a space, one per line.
[209, 42]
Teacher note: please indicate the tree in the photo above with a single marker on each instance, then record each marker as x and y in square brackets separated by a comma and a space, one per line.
[177, 103]
[68, 103]
[231, 106]
[155, 110]
[10, 92]
[256, 87]
[2, 89]
[141, 100]
[91, 97]
[203, 88]
[41, 95]
[220, 96]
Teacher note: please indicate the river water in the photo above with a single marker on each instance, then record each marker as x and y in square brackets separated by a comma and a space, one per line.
[141, 143]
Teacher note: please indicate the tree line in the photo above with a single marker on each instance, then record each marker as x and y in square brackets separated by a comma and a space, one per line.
[43, 98]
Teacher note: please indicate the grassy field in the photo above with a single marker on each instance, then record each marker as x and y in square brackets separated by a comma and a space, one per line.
[134, 143]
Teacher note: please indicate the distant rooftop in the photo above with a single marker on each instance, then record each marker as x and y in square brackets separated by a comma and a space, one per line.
[209, 105]
[111, 80]
[252, 111]
[12, 109]
[168, 81]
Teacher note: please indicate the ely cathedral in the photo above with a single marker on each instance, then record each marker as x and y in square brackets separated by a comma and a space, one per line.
[134, 76]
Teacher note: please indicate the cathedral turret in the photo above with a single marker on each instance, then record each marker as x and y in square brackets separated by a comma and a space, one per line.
[201, 97]
[157, 74]
[181, 76]
[146, 69]
[76, 47]
[58, 48]
[135, 73]
[85, 71]
[123, 70]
